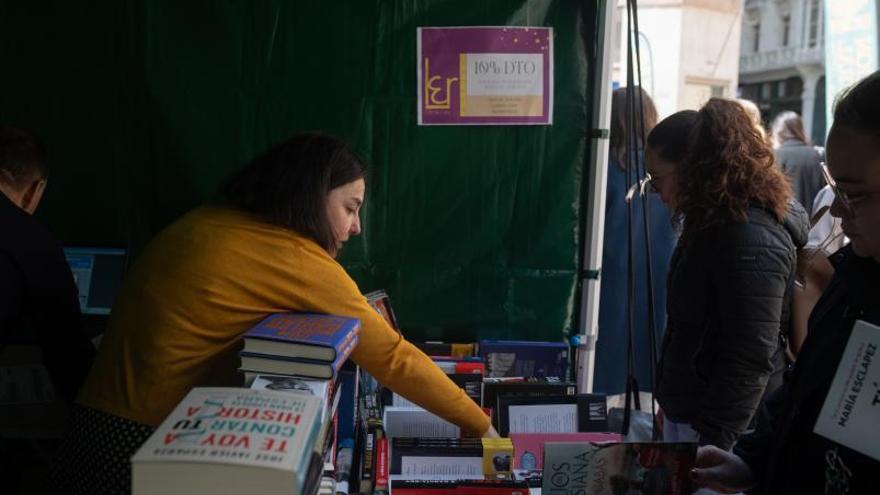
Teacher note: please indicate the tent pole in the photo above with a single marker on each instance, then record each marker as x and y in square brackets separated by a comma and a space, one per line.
[597, 170]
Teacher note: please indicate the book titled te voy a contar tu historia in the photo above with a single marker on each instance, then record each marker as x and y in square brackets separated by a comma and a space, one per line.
[230, 440]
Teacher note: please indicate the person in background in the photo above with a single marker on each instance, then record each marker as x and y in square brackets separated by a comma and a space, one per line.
[754, 114]
[268, 247]
[730, 275]
[39, 303]
[801, 161]
[611, 368]
[784, 455]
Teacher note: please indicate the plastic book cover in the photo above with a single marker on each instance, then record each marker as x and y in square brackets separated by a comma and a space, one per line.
[305, 335]
[650, 468]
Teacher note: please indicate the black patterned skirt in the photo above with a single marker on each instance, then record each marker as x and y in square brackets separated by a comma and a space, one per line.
[95, 456]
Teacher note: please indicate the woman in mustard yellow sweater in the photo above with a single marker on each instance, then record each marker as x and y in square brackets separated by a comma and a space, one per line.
[208, 277]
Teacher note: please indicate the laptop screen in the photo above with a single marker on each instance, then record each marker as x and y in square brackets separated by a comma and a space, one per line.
[98, 274]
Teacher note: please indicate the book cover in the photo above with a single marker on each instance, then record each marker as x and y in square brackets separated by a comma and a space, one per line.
[308, 368]
[493, 388]
[614, 468]
[302, 335]
[430, 457]
[417, 422]
[528, 448]
[381, 302]
[850, 414]
[230, 437]
[547, 414]
[326, 390]
[525, 358]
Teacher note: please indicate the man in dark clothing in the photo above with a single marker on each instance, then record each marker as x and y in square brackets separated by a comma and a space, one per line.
[784, 455]
[38, 295]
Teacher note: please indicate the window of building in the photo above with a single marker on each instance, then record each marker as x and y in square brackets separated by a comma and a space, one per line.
[813, 39]
[786, 28]
[756, 37]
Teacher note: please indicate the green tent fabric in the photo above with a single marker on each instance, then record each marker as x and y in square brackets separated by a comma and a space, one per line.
[146, 106]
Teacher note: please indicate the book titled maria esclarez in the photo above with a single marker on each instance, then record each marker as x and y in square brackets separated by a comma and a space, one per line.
[231, 440]
[649, 468]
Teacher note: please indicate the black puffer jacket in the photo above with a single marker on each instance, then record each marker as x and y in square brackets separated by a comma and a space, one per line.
[727, 291]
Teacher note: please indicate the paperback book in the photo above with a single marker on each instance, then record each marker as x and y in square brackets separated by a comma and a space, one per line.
[425, 457]
[614, 468]
[231, 440]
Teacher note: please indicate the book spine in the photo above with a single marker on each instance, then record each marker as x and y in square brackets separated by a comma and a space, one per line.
[381, 467]
[343, 356]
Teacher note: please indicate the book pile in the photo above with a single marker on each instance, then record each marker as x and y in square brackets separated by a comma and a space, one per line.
[300, 353]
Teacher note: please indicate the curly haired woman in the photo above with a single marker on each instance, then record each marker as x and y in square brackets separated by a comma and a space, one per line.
[730, 276]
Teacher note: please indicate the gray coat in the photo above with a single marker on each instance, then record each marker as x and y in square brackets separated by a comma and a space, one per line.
[801, 163]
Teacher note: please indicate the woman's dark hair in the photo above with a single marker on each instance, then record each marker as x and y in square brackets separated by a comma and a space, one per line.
[288, 185]
[727, 168]
[858, 108]
[671, 137]
[787, 126]
[619, 131]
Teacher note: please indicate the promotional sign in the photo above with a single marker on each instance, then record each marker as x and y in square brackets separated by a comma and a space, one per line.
[485, 75]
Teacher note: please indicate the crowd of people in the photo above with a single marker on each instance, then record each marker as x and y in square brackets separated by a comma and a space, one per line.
[761, 292]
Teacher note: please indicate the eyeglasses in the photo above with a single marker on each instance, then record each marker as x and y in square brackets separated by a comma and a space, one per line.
[840, 195]
[846, 200]
[647, 184]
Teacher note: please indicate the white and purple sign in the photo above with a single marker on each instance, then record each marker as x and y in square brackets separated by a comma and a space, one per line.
[485, 75]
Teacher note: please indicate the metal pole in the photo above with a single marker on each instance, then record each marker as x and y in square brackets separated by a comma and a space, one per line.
[597, 169]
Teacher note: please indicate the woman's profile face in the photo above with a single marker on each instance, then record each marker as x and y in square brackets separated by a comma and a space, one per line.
[343, 211]
[854, 162]
[662, 176]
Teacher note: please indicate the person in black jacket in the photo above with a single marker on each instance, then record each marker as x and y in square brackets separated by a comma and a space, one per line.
[730, 275]
[800, 160]
[38, 296]
[784, 455]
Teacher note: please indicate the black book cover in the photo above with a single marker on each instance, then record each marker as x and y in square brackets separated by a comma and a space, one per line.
[493, 389]
[591, 410]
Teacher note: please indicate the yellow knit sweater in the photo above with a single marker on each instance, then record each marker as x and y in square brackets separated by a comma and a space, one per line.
[202, 282]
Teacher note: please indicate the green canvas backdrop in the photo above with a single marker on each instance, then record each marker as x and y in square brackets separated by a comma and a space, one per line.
[147, 105]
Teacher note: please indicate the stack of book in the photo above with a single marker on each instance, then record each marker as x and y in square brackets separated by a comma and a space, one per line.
[302, 353]
[299, 344]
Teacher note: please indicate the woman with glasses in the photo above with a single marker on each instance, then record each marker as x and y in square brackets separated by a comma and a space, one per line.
[730, 275]
[784, 455]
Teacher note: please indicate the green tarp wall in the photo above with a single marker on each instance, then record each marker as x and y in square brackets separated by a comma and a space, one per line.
[146, 106]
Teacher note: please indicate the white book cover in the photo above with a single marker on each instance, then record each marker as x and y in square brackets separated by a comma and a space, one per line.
[851, 413]
[231, 426]
[417, 422]
[294, 384]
